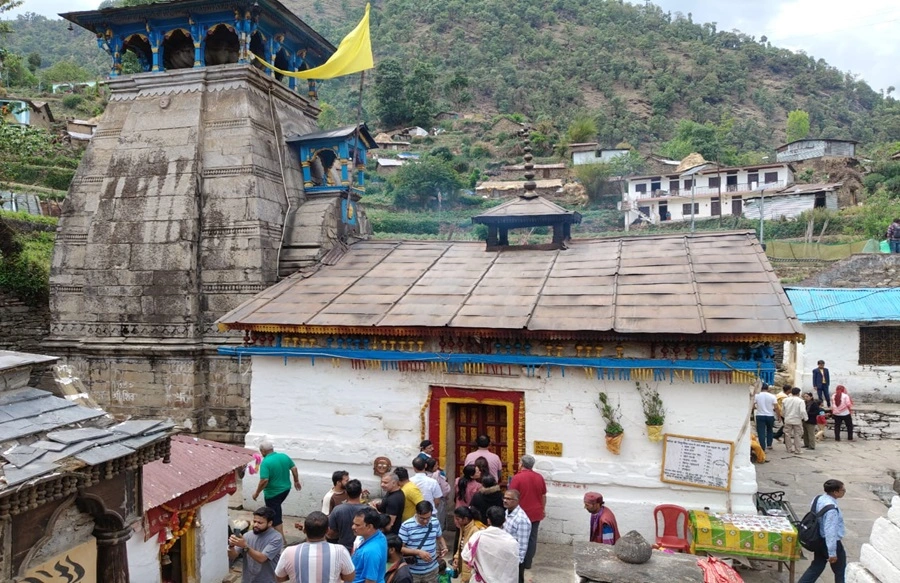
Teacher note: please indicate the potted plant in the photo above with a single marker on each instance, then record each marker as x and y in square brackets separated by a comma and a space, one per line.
[613, 417]
[654, 411]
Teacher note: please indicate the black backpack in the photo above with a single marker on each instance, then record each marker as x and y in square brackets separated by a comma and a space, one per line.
[808, 527]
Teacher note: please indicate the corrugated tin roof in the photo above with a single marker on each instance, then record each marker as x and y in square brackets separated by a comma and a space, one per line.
[713, 283]
[810, 188]
[195, 462]
[845, 304]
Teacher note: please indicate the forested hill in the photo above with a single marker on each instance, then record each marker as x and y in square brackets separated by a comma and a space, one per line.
[635, 70]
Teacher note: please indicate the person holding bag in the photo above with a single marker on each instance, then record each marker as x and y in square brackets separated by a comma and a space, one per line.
[842, 413]
[423, 543]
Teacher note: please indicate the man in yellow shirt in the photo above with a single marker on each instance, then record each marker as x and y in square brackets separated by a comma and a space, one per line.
[779, 409]
[410, 490]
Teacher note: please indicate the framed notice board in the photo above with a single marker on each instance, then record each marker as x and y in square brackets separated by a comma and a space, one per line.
[697, 461]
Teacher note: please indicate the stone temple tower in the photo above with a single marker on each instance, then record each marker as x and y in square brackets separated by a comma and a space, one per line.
[190, 199]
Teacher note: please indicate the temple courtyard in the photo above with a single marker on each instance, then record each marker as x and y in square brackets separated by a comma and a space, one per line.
[866, 467]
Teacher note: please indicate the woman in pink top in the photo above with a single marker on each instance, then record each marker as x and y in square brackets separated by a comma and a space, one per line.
[467, 485]
[841, 413]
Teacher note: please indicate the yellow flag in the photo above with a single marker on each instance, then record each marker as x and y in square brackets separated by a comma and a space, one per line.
[354, 54]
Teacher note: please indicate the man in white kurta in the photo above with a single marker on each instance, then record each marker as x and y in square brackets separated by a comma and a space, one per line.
[493, 553]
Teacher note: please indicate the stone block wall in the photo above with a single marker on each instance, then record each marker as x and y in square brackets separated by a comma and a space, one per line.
[880, 421]
[879, 559]
[862, 270]
[177, 214]
[22, 327]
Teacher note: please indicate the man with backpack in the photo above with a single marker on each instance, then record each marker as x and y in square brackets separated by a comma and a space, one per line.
[826, 520]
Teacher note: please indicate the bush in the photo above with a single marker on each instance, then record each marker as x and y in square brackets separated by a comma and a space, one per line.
[27, 275]
[50, 177]
[383, 222]
[72, 101]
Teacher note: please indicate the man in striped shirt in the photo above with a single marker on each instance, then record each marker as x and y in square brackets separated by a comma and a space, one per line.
[315, 561]
[423, 539]
[518, 525]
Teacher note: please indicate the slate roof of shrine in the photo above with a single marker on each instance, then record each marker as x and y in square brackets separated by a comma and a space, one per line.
[42, 434]
[718, 284]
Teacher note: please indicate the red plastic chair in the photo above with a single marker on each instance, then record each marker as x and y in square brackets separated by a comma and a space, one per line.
[674, 527]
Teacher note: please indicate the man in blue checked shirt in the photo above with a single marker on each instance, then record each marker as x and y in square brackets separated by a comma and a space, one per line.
[423, 540]
[831, 527]
[518, 525]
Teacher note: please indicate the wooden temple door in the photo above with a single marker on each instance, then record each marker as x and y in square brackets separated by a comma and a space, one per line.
[474, 420]
[457, 416]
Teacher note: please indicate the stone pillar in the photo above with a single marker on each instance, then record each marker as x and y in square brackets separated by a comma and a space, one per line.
[112, 554]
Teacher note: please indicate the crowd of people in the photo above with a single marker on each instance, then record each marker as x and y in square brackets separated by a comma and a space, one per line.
[803, 415]
[399, 537]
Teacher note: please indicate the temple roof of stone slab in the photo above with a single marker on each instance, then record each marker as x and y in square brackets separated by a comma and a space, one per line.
[706, 285]
[42, 435]
[273, 12]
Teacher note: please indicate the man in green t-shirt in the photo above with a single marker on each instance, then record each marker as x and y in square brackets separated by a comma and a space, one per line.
[275, 480]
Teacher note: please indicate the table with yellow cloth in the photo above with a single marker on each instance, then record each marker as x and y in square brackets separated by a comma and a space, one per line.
[767, 538]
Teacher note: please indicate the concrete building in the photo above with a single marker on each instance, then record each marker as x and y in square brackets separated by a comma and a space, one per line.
[592, 153]
[809, 148]
[855, 332]
[790, 202]
[397, 341]
[192, 197]
[710, 191]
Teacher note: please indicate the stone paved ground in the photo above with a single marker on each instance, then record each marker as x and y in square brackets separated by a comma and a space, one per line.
[866, 467]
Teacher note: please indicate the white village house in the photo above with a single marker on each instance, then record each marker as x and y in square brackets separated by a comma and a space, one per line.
[592, 153]
[856, 331]
[395, 341]
[706, 189]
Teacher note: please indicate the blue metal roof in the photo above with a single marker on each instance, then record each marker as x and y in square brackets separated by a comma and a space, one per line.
[845, 304]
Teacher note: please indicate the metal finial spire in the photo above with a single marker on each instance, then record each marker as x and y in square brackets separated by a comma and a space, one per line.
[530, 185]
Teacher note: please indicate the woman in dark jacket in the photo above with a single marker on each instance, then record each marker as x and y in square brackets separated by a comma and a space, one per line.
[489, 495]
[809, 426]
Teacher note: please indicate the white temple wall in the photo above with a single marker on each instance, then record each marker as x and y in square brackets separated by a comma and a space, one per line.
[328, 418]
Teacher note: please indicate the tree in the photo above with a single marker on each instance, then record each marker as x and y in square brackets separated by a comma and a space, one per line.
[420, 184]
[582, 129]
[457, 90]
[797, 125]
[34, 62]
[329, 118]
[65, 72]
[6, 5]
[419, 92]
[391, 106]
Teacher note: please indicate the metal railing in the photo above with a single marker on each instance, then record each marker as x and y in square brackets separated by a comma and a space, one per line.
[713, 190]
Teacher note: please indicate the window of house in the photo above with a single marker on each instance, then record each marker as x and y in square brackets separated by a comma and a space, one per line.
[686, 209]
[641, 188]
[655, 185]
[673, 186]
[715, 182]
[688, 183]
[771, 177]
[753, 178]
[879, 345]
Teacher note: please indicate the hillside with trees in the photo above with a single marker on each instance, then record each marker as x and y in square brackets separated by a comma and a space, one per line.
[635, 70]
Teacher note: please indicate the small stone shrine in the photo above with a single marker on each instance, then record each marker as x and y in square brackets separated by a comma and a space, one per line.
[190, 200]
